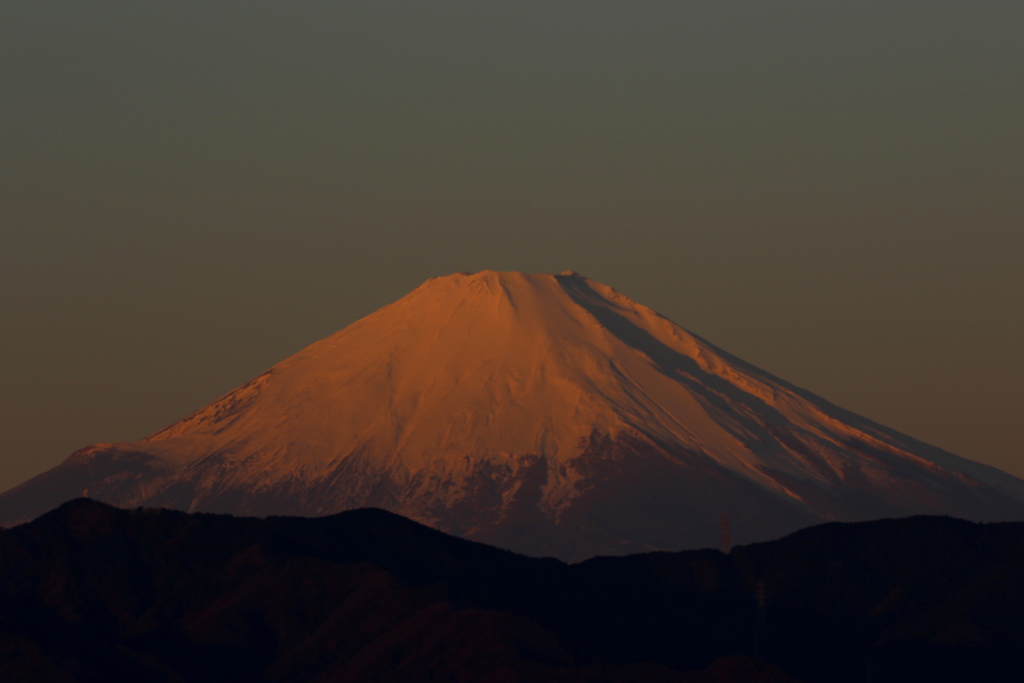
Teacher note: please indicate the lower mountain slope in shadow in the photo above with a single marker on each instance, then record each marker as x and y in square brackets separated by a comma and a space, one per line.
[89, 592]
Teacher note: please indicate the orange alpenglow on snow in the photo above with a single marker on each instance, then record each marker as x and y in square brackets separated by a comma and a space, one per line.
[547, 414]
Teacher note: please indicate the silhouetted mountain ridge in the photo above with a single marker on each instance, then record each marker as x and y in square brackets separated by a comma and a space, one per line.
[90, 592]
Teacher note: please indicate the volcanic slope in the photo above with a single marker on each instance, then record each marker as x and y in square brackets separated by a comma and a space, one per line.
[547, 414]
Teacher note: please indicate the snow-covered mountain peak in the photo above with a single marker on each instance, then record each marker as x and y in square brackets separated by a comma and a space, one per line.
[546, 413]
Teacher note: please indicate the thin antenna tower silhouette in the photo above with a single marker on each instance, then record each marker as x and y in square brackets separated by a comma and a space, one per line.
[726, 541]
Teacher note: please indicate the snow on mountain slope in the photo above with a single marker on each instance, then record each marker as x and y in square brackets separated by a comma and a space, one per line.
[548, 414]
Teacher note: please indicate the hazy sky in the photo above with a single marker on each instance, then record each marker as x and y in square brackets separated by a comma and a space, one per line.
[192, 191]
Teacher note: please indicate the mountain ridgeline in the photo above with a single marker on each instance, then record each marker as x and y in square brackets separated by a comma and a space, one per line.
[546, 414]
[93, 593]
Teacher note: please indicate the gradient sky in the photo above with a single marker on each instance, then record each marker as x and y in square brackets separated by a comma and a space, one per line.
[192, 191]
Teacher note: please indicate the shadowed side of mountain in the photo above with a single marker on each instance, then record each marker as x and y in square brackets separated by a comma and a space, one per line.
[642, 496]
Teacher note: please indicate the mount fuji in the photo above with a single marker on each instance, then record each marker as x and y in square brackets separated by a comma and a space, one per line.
[546, 414]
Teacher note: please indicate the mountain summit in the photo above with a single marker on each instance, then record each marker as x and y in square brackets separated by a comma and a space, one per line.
[547, 414]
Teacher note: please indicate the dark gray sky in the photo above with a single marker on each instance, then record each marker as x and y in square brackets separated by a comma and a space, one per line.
[192, 191]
